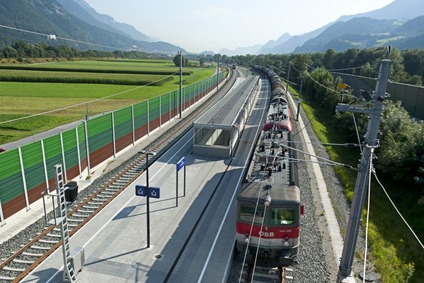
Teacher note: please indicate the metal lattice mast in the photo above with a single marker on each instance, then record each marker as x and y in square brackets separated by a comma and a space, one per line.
[361, 186]
[68, 273]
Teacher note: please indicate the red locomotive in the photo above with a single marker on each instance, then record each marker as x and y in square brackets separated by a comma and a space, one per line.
[268, 203]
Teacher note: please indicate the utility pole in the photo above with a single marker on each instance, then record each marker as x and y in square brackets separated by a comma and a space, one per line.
[299, 100]
[181, 83]
[288, 78]
[217, 75]
[361, 186]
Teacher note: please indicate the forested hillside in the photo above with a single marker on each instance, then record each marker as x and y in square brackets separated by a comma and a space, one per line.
[34, 21]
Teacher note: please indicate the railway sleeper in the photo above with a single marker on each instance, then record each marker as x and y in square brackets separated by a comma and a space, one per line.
[109, 193]
[40, 248]
[50, 242]
[113, 186]
[99, 201]
[77, 220]
[87, 210]
[54, 235]
[95, 203]
[22, 261]
[13, 269]
[32, 254]
[102, 196]
[93, 208]
[7, 278]
[126, 178]
[80, 215]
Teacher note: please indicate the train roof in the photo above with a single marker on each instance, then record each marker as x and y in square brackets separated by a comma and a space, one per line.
[280, 193]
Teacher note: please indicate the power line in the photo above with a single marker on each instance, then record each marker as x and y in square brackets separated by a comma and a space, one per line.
[397, 210]
[53, 37]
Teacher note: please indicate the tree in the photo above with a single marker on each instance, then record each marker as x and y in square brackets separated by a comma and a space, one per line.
[401, 153]
[177, 60]
[202, 61]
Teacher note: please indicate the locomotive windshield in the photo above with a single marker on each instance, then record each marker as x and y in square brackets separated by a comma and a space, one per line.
[282, 216]
[247, 213]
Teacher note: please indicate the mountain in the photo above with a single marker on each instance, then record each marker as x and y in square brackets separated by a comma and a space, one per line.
[33, 20]
[241, 50]
[367, 33]
[399, 9]
[358, 32]
[290, 45]
[83, 11]
[343, 34]
[267, 47]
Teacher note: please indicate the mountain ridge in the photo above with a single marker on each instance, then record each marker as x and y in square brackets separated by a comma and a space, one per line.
[31, 20]
[397, 10]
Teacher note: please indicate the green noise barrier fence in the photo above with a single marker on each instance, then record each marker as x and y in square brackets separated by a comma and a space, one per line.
[28, 171]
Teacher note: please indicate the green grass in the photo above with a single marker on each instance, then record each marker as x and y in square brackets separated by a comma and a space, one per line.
[395, 253]
[20, 99]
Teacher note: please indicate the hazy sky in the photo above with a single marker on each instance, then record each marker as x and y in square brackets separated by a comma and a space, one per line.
[199, 25]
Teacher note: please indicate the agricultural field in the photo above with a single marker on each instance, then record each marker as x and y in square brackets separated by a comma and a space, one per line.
[51, 94]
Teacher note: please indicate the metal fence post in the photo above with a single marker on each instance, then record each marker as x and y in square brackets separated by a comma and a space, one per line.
[23, 178]
[1, 215]
[46, 175]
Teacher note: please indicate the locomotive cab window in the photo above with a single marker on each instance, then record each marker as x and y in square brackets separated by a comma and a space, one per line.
[247, 214]
[282, 216]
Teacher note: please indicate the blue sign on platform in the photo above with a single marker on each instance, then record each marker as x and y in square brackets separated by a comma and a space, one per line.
[181, 163]
[154, 192]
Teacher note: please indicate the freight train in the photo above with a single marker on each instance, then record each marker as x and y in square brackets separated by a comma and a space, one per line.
[269, 208]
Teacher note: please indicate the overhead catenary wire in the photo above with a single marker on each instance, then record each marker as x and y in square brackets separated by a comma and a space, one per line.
[322, 158]
[78, 104]
[259, 242]
[250, 233]
[357, 131]
[63, 38]
[397, 210]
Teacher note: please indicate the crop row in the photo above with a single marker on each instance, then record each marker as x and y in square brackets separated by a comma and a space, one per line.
[78, 77]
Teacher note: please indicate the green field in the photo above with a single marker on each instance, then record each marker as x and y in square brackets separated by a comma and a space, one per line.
[80, 86]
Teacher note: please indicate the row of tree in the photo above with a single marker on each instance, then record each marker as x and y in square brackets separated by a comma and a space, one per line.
[408, 65]
[21, 50]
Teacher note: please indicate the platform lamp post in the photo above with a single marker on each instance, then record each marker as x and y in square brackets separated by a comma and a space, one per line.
[147, 153]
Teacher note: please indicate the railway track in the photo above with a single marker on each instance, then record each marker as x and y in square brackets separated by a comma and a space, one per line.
[260, 274]
[30, 255]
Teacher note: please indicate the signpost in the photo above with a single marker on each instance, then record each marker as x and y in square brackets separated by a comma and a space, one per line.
[180, 164]
[142, 191]
[146, 191]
